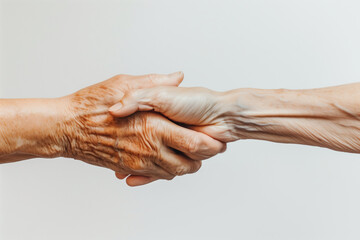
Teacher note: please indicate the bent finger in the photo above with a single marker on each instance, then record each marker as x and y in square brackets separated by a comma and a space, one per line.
[217, 132]
[154, 174]
[194, 144]
[177, 164]
[121, 176]
[157, 98]
[135, 180]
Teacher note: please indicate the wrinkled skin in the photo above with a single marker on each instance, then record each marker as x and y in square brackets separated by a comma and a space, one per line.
[326, 117]
[202, 109]
[145, 145]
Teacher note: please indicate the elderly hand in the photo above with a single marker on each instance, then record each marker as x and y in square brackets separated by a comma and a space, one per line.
[145, 145]
[326, 117]
[202, 109]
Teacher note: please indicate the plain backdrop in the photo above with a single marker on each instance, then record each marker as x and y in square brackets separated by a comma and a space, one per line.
[256, 190]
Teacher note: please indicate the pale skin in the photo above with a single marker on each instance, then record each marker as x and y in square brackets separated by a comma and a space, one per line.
[325, 117]
[146, 146]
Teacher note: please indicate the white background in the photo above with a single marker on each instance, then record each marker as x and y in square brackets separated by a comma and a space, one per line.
[256, 190]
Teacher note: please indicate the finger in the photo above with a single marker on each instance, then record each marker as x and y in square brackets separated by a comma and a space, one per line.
[146, 81]
[152, 171]
[135, 180]
[217, 132]
[131, 103]
[124, 108]
[177, 164]
[158, 172]
[153, 80]
[155, 173]
[196, 145]
[157, 98]
[121, 176]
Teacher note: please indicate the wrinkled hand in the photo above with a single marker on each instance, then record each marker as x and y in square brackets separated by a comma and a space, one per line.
[202, 109]
[145, 145]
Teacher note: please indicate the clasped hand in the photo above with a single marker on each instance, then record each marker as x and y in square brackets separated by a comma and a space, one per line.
[146, 146]
[147, 128]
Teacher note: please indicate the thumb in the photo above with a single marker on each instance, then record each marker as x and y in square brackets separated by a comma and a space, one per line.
[138, 100]
[129, 104]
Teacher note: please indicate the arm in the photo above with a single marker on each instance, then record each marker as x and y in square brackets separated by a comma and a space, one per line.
[326, 117]
[30, 128]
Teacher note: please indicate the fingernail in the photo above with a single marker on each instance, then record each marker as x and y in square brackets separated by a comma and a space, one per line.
[115, 107]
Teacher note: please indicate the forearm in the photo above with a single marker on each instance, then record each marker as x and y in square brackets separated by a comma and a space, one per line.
[30, 128]
[326, 117]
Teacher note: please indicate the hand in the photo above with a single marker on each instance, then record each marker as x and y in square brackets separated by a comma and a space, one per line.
[145, 145]
[202, 109]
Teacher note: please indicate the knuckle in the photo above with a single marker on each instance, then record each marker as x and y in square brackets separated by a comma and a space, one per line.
[187, 168]
[119, 77]
[157, 97]
[180, 170]
[194, 145]
[219, 148]
[215, 149]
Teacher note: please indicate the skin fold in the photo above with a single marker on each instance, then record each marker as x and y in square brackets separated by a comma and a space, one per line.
[325, 117]
[147, 146]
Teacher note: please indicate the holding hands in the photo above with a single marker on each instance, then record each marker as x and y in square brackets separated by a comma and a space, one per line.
[201, 109]
[147, 146]
[324, 117]
[147, 128]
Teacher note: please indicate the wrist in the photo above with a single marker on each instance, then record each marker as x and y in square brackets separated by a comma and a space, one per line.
[281, 115]
[262, 113]
[233, 105]
[37, 127]
[230, 114]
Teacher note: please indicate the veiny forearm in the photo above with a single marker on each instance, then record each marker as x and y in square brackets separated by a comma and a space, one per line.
[326, 117]
[30, 128]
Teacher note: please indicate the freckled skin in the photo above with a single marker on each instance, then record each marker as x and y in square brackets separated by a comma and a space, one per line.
[325, 117]
[79, 126]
